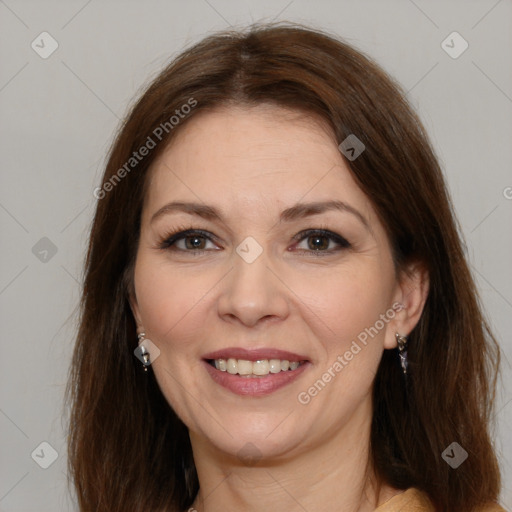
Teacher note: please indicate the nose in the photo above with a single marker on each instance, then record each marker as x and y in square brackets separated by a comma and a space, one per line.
[252, 293]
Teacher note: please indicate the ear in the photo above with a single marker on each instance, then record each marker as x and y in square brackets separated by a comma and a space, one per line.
[409, 300]
[134, 306]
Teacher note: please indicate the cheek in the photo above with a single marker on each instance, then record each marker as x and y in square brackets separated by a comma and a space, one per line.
[345, 314]
[343, 302]
[168, 299]
[172, 308]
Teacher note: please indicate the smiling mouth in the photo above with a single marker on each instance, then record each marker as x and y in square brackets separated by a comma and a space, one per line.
[259, 368]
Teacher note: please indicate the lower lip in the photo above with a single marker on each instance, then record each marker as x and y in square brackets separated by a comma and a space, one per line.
[254, 386]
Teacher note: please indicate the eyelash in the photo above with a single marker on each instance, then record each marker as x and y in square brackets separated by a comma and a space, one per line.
[168, 242]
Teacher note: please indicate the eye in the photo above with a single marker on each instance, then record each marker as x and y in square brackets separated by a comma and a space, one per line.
[312, 241]
[318, 241]
[190, 240]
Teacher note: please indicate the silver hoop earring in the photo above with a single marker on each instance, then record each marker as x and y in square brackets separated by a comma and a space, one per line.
[402, 351]
[141, 352]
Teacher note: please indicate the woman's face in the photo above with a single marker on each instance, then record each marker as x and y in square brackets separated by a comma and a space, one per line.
[286, 264]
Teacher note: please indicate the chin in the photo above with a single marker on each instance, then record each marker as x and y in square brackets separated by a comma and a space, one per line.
[255, 439]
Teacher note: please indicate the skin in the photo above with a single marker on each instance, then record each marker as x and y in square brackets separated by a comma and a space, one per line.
[252, 163]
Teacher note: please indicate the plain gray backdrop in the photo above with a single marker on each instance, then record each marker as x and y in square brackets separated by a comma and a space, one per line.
[58, 117]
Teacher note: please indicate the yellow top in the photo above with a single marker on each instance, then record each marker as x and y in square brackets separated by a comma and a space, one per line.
[413, 500]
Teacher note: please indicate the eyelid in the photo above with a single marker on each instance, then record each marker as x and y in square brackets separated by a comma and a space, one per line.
[180, 233]
[342, 242]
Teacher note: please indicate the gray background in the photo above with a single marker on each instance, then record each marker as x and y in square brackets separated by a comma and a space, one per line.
[58, 116]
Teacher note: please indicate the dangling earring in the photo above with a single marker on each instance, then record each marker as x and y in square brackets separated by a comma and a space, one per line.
[142, 352]
[402, 351]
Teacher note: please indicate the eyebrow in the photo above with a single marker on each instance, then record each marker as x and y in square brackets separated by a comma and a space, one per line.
[296, 212]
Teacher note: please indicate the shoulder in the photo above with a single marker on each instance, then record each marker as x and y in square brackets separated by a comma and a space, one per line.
[492, 507]
[414, 500]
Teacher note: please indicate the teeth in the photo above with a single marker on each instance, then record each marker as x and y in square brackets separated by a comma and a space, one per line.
[244, 367]
[232, 366]
[275, 365]
[259, 368]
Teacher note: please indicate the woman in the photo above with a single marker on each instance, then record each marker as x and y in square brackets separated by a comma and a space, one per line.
[277, 313]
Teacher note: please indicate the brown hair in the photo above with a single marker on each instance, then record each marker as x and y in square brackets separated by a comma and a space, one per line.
[128, 451]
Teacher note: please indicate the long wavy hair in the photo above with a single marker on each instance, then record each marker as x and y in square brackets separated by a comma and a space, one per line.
[128, 451]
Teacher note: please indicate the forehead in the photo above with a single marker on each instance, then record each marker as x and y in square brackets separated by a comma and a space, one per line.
[253, 157]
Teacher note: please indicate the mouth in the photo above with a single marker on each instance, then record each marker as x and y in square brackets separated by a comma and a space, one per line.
[259, 368]
[254, 372]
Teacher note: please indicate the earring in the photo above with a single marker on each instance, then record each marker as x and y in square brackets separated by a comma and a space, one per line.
[143, 353]
[402, 351]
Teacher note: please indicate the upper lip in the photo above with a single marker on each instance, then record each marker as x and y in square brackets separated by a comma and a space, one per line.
[256, 354]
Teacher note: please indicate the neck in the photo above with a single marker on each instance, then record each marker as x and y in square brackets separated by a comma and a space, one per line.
[334, 475]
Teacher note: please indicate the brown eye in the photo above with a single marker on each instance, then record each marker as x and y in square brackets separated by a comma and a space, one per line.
[317, 241]
[190, 240]
[195, 242]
